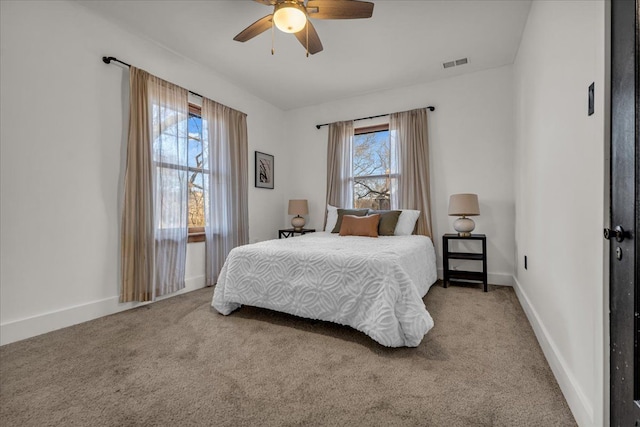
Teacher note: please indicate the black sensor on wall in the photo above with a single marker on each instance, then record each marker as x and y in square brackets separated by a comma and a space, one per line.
[591, 89]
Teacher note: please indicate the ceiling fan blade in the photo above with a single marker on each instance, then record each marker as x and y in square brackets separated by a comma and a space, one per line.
[343, 9]
[315, 45]
[257, 28]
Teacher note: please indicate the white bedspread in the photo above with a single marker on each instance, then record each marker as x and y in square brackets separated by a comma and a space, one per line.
[373, 285]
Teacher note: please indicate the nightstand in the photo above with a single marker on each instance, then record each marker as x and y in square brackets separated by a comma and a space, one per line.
[448, 255]
[290, 232]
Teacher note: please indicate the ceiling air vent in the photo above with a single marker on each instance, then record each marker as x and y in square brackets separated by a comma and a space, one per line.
[455, 63]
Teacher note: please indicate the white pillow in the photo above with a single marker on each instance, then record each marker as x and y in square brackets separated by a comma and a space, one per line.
[406, 222]
[332, 218]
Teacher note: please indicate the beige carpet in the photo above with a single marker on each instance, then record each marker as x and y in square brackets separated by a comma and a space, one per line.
[178, 363]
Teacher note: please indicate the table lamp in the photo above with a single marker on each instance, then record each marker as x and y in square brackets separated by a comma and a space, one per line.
[464, 205]
[298, 207]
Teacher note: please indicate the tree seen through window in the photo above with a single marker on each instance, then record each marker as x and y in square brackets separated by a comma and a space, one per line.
[196, 169]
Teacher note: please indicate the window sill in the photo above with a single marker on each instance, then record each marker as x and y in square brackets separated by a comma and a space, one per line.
[196, 234]
[195, 238]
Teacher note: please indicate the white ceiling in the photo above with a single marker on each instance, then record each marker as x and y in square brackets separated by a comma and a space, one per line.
[404, 43]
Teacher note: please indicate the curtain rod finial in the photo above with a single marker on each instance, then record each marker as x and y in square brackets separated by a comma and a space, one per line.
[106, 60]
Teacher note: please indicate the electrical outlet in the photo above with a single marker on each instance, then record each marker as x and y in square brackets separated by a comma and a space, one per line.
[525, 262]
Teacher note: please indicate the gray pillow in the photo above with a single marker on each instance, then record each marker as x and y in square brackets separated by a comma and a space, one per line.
[343, 212]
[388, 221]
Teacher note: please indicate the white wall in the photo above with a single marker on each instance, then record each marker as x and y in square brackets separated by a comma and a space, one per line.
[560, 166]
[63, 114]
[471, 140]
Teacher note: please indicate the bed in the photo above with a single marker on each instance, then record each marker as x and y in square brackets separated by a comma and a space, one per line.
[374, 285]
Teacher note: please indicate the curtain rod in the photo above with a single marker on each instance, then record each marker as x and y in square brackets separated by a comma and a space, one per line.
[108, 59]
[430, 108]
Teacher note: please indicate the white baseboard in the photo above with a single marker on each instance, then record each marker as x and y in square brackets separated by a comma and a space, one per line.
[578, 402]
[501, 279]
[17, 330]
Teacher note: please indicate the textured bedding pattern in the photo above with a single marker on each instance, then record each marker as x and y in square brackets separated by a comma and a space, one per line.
[373, 285]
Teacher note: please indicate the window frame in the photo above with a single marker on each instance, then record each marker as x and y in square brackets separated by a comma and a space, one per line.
[363, 131]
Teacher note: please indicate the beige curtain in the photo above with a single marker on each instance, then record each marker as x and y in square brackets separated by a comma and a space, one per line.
[226, 190]
[339, 156]
[154, 220]
[410, 149]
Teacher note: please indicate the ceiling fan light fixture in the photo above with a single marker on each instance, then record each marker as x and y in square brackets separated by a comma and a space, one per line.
[294, 16]
[290, 17]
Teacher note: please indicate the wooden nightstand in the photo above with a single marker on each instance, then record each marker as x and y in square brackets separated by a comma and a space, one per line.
[462, 274]
[290, 232]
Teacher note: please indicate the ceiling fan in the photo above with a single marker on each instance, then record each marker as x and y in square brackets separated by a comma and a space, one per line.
[292, 16]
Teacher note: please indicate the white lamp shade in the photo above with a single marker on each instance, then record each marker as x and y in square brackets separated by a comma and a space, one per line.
[298, 207]
[289, 17]
[464, 205]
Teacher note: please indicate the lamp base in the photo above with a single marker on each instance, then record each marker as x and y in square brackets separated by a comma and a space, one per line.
[464, 226]
[297, 222]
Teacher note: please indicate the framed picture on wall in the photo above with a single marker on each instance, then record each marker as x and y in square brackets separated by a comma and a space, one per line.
[264, 170]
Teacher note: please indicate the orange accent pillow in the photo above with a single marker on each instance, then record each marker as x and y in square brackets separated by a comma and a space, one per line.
[360, 225]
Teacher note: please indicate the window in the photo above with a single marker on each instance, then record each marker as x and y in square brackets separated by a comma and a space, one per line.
[176, 164]
[372, 177]
[197, 172]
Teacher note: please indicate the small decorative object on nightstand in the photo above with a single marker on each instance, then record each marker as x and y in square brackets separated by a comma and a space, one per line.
[298, 207]
[290, 232]
[462, 274]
